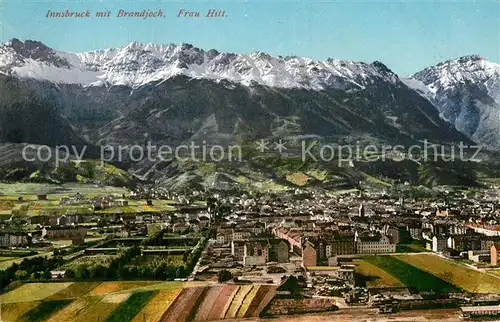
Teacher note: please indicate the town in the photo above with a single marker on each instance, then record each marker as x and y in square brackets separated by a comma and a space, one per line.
[261, 254]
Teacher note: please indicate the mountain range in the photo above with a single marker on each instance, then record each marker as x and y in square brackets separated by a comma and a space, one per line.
[466, 93]
[173, 94]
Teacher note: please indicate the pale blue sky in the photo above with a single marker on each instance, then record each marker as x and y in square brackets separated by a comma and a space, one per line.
[405, 35]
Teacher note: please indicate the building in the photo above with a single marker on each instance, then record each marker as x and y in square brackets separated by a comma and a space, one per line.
[487, 242]
[238, 250]
[13, 239]
[346, 273]
[255, 228]
[440, 229]
[75, 233]
[256, 253]
[280, 251]
[393, 234]
[488, 230]
[442, 212]
[340, 245]
[333, 261]
[239, 235]
[415, 231]
[309, 255]
[439, 243]
[495, 254]
[293, 237]
[476, 312]
[39, 220]
[479, 256]
[65, 220]
[464, 242]
[57, 274]
[375, 245]
[224, 235]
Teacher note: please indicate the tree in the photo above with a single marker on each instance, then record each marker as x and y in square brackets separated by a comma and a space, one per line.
[123, 273]
[224, 276]
[82, 272]
[160, 271]
[69, 273]
[98, 272]
[35, 275]
[47, 275]
[21, 275]
[290, 283]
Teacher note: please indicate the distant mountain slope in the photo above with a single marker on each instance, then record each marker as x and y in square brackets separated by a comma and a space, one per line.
[26, 116]
[170, 94]
[178, 94]
[466, 92]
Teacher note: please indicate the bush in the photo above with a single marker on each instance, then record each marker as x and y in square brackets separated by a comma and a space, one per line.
[224, 276]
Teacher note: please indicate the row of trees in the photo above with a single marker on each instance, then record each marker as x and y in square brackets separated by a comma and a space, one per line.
[29, 269]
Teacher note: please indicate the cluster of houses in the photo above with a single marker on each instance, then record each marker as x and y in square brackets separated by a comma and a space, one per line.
[318, 228]
[312, 225]
[252, 245]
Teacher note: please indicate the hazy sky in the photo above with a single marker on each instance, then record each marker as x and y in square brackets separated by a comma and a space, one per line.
[405, 35]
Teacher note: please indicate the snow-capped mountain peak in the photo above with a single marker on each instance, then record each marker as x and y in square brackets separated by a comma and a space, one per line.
[467, 69]
[466, 91]
[136, 64]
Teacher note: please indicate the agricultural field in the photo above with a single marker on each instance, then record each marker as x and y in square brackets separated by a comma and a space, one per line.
[373, 276]
[88, 308]
[159, 303]
[140, 206]
[263, 296]
[5, 258]
[220, 302]
[298, 178]
[133, 301]
[184, 306]
[129, 309]
[44, 310]
[425, 272]
[113, 287]
[411, 276]
[31, 206]
[89, 301]
[237, 300]
[223, 301]
[29, 191]
[459, 275]
[75, 290]
[210, 298]
[242, 311]
[33, 292]
[410, 248]
[13, 311]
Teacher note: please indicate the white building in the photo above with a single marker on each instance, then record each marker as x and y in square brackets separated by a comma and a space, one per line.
[382, 245]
